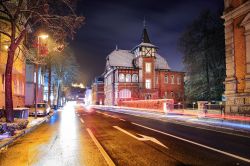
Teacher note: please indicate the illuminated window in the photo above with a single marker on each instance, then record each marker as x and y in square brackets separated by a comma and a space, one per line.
[121, 78]
[125, 93]
[166, 79]
[148, 67]
[172, 79]
[134, 78]
[148, 84]
[128, 78]
[34, 77]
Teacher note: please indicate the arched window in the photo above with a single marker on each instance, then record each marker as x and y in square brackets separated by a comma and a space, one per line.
[134, 78]
[128, 78]
[125, 93]
[172, 94]
[178, 80]
[166, 79]
[121, 78]
[172, 79]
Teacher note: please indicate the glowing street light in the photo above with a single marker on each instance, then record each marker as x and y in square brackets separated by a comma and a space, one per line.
[43, 36]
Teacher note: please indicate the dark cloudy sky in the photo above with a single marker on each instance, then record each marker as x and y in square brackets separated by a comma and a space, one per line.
[115, 22]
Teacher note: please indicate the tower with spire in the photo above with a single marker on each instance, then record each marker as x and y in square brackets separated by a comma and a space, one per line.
[145, 60]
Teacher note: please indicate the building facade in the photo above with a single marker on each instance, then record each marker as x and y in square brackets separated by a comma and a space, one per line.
[98, 91]
[237, 42]
[30, 85]
[18, 74]
[140, 73]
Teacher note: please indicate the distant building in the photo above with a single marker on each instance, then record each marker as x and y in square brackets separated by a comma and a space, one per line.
[98, 91]
[18, 74]
[88, 96]
[140, 73]
[237, 42]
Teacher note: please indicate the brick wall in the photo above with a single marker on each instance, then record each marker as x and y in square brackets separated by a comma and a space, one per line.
[153, 105]
[240, 53]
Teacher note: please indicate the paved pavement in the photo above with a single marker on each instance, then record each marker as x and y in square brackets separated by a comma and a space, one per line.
[96, 137]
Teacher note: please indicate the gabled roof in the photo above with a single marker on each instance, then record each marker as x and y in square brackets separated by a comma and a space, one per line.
[161, 63]
[122, 58]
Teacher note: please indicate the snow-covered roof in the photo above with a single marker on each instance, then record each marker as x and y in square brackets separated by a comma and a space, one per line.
[124, 58]
[146, 44]
[161, 63]
[121, 58]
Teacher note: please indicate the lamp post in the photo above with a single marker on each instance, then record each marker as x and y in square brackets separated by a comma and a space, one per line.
[36, 68]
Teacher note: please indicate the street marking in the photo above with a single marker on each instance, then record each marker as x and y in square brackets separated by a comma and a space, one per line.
[144, 137]
[122, 119]
[111, 116]
[182, 123]
[195, 143]
[82, 120]
[99, 146]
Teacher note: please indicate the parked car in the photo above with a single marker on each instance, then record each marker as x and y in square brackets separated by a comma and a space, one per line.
[43, 109]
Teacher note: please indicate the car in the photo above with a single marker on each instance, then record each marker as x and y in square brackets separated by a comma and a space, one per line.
[43, 109]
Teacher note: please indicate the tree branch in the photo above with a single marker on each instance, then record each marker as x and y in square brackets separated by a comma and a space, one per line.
[5, 33]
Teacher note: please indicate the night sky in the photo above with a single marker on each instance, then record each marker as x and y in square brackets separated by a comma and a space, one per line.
[113, 22]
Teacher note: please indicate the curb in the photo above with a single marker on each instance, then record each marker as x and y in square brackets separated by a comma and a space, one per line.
[5, 144]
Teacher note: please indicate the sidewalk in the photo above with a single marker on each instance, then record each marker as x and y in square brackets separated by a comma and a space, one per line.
[6, 140]
[212, 118]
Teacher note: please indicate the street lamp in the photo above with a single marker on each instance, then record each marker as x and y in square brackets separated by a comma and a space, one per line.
[193, 105]
[36, 66]
[179, 105]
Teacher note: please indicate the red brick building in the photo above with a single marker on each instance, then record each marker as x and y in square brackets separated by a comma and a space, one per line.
[140, 73]
[98, 91]
[237, 44]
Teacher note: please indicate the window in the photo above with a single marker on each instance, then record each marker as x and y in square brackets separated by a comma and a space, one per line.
[128, 78]
[134, 78]
[148, 84]
[166, 95]
[172, 94]
[172, 79]
[166, 79]
[3, 81]
[156, 80]
[148, 67]
[125, 93]
[34, 77]
[178, 80]
[121, 77]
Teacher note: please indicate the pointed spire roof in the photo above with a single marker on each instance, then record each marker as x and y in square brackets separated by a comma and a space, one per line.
[145, 38]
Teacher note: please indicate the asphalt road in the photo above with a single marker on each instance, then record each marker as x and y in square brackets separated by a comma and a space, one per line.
[94, 137]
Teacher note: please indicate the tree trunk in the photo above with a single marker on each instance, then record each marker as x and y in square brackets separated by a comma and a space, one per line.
[8, 87]
[208, 80]
[49, 85]
[58, 94]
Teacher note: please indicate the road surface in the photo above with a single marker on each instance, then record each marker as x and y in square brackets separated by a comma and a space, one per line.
[95, 137]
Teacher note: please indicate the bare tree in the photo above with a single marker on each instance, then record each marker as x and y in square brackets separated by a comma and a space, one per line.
[19, 17]
[65, 70]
